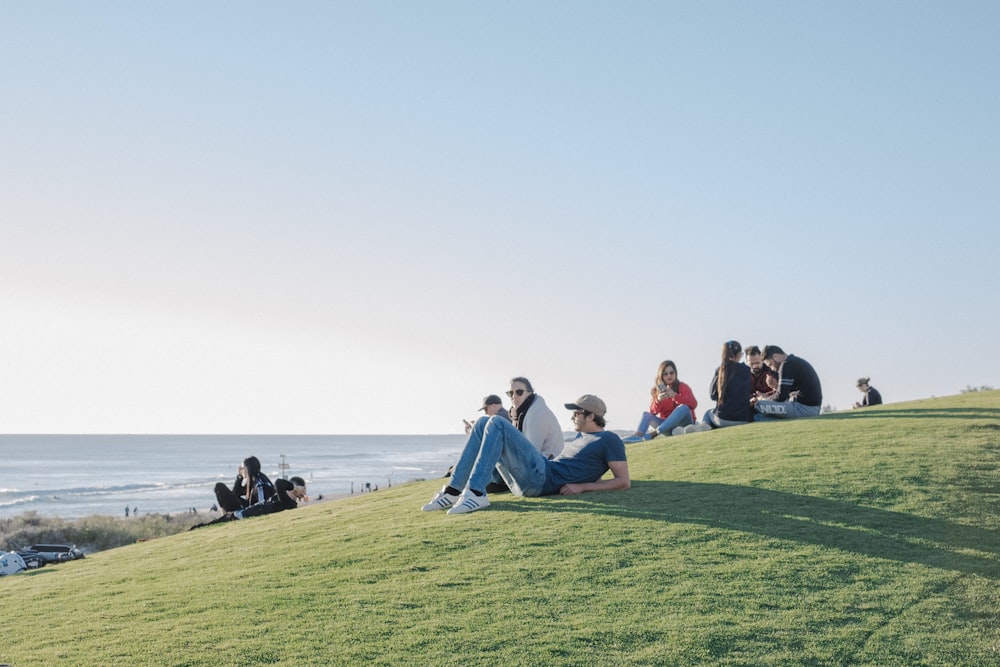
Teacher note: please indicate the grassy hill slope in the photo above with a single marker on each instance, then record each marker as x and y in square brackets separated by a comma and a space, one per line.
[869, 537]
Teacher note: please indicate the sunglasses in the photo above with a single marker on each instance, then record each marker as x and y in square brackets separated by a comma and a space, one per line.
[580, 413]
[519, 392]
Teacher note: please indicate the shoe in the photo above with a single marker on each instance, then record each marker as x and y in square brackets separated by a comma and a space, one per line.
[469, 502]
[704, 427]
[497, 487]
[678, 431]
[633, 438]
[441, 501]
[692, 428]
[650, 436]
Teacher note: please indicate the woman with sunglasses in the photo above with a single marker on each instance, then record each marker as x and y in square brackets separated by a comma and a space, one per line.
[672, 405]
[534, 419]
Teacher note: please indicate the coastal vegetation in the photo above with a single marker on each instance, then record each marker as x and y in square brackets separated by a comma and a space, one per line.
[91, 533]
[868, 537]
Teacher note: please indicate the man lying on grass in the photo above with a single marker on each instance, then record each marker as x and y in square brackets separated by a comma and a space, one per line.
[495, 443]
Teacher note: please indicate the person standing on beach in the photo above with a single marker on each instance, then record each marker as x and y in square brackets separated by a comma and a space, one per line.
[799, 391]
[251, 486]
[496, 445]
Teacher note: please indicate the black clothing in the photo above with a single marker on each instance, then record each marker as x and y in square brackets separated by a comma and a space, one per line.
[735, 404]
[760, 380]
[797, 374]
[237, 498]
[280, 502]
[872, 397]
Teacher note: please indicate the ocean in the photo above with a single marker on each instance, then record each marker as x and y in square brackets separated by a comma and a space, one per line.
[72, 476]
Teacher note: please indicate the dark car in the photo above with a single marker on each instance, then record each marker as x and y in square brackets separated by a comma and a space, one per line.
[57, 553]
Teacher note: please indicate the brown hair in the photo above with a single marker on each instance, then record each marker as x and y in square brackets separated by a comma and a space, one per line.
[730, 349]
[664, 365]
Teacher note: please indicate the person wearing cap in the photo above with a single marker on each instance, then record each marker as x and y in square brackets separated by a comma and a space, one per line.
[496, 444]
[799, 391]
[492, 405]
[872, 397]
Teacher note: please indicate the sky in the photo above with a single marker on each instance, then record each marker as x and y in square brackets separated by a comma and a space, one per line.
[363, 217]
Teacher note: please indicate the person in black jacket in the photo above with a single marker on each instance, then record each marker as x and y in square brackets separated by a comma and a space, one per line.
[731, 388]
[799, 391]
[251, 486]
[288, 493]
[872, 397]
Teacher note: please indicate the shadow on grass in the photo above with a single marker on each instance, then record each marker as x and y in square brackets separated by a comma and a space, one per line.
[916, 413]
[820, 521]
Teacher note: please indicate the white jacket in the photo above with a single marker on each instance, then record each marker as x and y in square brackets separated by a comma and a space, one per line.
[542, 429]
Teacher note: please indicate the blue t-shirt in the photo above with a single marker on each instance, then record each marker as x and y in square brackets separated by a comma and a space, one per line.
[583, 459]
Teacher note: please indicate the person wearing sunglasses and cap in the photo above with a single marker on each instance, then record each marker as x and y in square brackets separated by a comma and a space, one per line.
[495, 444]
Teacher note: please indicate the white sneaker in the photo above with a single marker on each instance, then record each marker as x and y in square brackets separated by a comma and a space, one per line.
[692, 428]
[469, 502]
[441, 501]
[678, 431]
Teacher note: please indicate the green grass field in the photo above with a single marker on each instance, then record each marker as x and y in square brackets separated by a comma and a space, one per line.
[863, 538]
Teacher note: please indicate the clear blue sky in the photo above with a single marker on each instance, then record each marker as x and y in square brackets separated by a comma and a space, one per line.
[362, 217]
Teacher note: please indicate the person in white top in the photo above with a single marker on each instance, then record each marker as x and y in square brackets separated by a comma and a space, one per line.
[533, 418]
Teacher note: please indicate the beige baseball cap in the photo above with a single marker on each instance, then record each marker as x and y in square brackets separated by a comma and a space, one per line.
[590, 403]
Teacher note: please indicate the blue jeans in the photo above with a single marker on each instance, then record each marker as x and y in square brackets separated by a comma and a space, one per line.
[715, 421]
[496, 444]
[648, 419]
[681, 416]
[771, 410]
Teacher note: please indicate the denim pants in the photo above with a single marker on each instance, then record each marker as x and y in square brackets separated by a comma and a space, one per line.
[771, 410]
[681, 416]
[715, 421]
[496, 444]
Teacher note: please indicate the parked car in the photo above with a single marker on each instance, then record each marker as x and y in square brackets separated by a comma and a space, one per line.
[57, 553]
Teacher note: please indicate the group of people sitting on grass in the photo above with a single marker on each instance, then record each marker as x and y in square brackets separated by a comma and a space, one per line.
[771, 385]
[525, 449]
[253, 494]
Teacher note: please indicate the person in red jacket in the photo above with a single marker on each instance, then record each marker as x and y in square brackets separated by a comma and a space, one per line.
[672, 405]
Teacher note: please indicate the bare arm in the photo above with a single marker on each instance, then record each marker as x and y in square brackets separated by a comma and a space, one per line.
[620, 481]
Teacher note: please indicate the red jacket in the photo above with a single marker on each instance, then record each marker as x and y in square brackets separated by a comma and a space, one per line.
[684, 396]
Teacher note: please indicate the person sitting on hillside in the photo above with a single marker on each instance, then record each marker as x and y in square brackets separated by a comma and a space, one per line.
[872, 397]
[288, 493]
[765, 381]
[730, 389]
[532, 417]
[799, 391]
[496, 445]
[251, 486]
[492, 405]
[672, 405]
